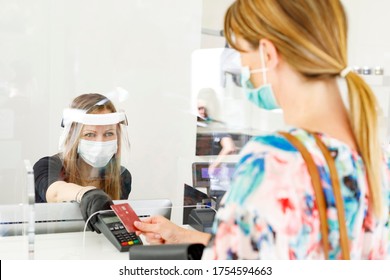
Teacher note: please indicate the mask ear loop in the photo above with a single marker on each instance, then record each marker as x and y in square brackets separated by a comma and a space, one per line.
[264, 67]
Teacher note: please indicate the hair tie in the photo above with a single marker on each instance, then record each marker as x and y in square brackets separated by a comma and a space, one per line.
[345, 71]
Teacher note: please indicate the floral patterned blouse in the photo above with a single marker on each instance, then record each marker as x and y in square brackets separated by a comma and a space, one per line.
[269, 210]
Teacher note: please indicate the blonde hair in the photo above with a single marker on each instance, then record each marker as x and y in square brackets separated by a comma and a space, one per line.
[312, 37]
[110, 182]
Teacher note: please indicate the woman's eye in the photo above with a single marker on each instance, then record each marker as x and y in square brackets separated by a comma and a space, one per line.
[109, 134]
[89, 135]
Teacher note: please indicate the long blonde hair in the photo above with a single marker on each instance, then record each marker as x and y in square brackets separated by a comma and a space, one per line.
[311, 35]
[110, 182]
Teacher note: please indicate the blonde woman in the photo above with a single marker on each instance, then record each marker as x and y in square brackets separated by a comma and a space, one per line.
[292, 53]
[88, 168]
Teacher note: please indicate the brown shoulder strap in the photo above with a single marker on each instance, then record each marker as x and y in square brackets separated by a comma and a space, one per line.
[338, 197]
[316, 181]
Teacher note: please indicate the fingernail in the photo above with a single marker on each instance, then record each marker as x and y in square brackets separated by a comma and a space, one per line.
[137, 223]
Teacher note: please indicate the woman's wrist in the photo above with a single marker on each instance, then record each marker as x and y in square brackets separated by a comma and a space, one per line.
[194, 236]
[82, 191]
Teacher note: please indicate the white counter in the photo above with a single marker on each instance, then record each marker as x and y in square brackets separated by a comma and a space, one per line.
[61, 246]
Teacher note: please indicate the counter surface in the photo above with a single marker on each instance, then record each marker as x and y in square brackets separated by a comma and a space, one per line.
[61, 246]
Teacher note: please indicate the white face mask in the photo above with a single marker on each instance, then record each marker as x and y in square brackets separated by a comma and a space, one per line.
[97, 154]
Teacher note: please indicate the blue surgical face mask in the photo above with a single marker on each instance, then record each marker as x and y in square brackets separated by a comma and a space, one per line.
[263, 96]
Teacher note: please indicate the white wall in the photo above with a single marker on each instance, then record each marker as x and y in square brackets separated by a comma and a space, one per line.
[213, 13]
[369, 43]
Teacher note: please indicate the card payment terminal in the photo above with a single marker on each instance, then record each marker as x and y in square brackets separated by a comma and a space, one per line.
[110, 225]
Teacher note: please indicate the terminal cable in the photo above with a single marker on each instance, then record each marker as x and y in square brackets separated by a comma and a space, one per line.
[87, 221]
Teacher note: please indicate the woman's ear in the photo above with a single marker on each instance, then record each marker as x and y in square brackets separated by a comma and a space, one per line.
[271, 55]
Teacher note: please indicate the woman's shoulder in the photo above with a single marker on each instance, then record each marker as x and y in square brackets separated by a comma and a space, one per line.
[273, 144]
[277, 143]
[49, 160]
[126, 182]
[266, 154]
[276, 149]
[125, 175]
[269, 142]
[124, 171]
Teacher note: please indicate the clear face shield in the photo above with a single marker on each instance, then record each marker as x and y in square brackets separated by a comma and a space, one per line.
[94, 145]
[221, 87]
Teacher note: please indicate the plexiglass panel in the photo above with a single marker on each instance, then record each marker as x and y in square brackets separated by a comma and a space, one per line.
[136, 52]
[226, 120]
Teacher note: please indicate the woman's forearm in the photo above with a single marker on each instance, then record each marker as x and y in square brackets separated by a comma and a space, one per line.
[61, 191]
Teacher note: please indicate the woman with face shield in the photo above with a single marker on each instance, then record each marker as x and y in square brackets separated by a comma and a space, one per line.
[89, 168]
[321, 189]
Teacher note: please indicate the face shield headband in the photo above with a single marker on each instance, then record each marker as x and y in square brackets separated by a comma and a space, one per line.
[80, 118]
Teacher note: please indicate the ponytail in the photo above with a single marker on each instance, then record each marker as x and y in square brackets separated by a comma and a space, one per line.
[364, 122]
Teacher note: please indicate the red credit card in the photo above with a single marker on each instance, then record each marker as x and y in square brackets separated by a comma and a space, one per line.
[126, 214]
